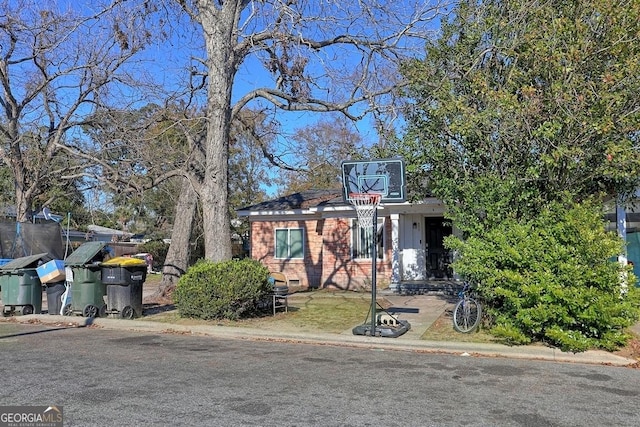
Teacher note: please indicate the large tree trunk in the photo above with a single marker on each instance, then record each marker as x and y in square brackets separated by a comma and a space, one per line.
[23, 203]
[177, 259]
[219, 27]
[16, 161]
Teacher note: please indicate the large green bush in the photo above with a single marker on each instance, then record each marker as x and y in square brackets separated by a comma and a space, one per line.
[553, 279]
[224, 290]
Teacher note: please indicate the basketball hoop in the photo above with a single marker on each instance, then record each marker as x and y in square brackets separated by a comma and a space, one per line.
[365, 204]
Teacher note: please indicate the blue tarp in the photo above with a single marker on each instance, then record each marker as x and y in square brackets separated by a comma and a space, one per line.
[633, 252]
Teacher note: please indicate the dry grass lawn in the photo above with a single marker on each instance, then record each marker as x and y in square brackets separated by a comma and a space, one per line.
[317, 311]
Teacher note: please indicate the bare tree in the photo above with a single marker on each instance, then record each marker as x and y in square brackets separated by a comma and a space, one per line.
[321, 56]
[57, 67]
[321, 147]
[144, 147]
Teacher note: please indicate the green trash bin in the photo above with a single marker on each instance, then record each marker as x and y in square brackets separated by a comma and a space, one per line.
[20, 285]
[87, 289]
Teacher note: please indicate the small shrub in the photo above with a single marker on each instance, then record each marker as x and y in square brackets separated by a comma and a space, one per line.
[552, 279]
[222, 290]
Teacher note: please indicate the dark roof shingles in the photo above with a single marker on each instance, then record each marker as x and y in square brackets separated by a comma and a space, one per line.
[301, 200]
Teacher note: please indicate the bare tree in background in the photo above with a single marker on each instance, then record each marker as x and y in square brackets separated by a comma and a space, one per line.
[320, 56]
[321, 147]
[57, 65]
[150, 147]
[250, 135]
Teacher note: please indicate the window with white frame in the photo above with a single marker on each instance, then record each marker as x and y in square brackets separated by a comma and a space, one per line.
[361, 240]
[289, 243]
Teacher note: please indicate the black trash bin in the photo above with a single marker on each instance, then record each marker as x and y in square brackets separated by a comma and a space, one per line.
[123, 278]
[54, 297]
[21, 287]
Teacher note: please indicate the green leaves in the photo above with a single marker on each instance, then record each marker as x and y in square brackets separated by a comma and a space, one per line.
[223, 290]
[521, 112]
[552, 279]
[543, 98]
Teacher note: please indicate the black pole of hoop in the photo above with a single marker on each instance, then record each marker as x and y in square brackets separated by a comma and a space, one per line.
[374, 262]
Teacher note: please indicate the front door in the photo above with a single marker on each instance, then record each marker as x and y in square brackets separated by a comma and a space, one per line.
[412, 242]
[437, 255]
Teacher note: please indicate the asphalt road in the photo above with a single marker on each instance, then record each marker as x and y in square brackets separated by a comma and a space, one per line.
[122, 378]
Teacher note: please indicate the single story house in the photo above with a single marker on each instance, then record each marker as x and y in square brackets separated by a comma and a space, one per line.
[314, 238]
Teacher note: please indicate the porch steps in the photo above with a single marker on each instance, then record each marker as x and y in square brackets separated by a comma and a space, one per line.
[446, 287]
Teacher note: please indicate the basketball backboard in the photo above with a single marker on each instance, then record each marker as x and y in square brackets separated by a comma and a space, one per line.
[380, 176]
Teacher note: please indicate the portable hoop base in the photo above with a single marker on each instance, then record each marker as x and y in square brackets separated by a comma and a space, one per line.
[384, 331]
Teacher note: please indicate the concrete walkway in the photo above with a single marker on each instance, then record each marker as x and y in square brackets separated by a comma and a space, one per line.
[421, 311]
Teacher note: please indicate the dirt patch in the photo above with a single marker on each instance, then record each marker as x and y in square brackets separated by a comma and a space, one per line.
[442, 330]
[631, 350]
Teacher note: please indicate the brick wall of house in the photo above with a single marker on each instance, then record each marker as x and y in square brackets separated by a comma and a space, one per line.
[327, 254]
[340, 270]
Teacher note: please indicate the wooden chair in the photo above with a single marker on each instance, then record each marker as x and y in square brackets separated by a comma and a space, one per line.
[280, 294]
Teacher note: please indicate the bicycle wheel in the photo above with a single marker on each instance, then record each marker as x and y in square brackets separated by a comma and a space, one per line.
[466, 315]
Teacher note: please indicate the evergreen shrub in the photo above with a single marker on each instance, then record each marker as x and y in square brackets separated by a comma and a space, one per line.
[222, 290]
[553, 279]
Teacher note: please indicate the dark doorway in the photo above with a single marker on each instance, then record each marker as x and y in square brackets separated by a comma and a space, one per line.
[437, 255]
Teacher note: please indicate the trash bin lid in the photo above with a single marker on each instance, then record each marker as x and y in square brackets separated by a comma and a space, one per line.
[30, 261]
[84, 254]
[124, 261]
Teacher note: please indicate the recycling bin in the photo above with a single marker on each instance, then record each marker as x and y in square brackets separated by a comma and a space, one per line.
[54, 297]
[20, 285]
[123, 278]
[84, 274]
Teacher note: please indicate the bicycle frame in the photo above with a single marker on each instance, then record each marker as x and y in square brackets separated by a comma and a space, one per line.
[467, 312]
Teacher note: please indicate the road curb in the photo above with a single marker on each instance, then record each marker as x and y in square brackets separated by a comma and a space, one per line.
[463, 349]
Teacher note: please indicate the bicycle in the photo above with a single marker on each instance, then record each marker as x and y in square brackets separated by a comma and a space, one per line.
[467, 312]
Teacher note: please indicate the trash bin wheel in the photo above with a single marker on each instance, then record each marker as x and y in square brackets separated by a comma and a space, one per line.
[67, 310]
[103, 311]
[27, 309]
[127, 312]
[90, 310]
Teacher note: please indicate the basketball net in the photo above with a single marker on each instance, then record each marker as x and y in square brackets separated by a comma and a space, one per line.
[365, 205]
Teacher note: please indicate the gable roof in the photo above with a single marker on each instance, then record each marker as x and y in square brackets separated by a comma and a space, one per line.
[302, 200]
